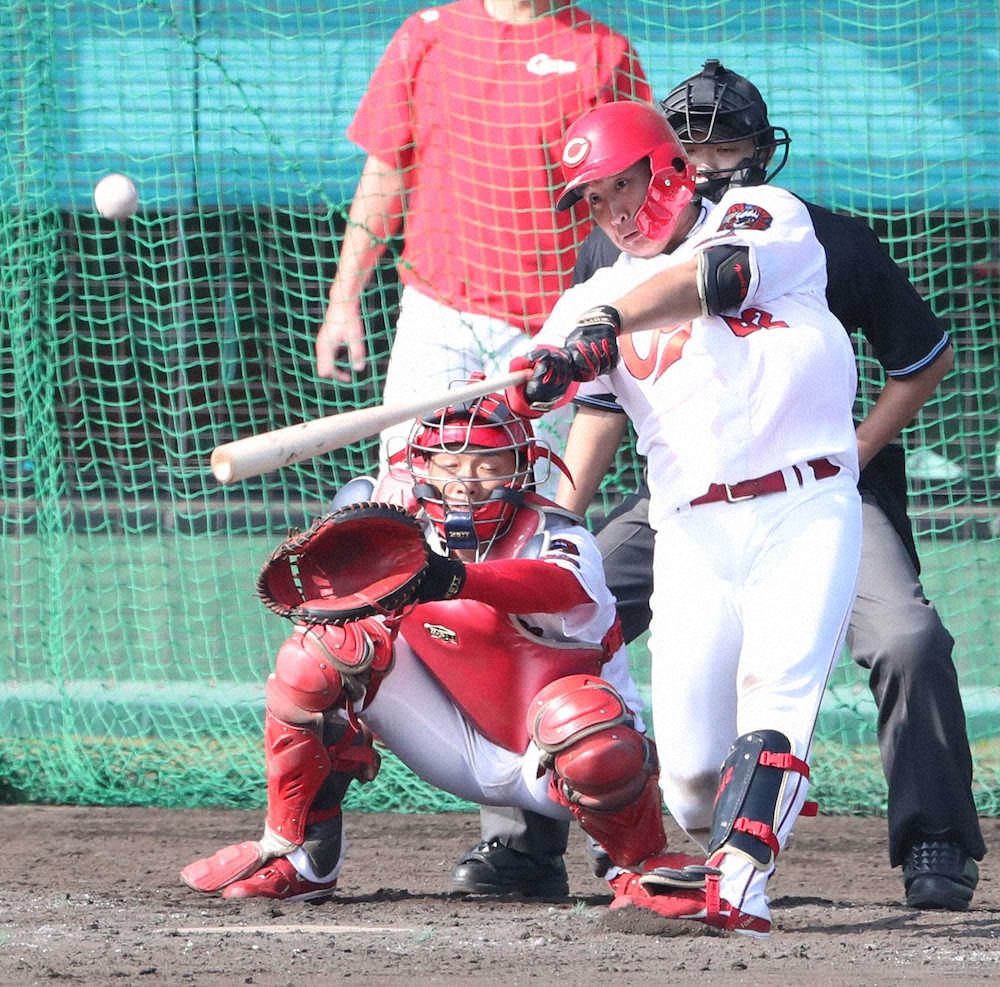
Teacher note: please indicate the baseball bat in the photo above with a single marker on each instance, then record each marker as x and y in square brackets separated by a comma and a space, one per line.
[269, 451]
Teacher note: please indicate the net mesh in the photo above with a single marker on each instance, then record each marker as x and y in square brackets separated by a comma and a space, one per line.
[133, 652]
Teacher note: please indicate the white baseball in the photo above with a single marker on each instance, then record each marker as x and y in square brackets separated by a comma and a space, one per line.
[115, 196]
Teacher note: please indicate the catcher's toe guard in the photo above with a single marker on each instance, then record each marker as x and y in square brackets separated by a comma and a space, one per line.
[225, 866]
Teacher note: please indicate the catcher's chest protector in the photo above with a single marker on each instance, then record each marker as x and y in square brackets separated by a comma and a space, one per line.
[490, 663]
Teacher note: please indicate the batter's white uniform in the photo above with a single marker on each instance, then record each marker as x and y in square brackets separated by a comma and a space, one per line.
[750, 599]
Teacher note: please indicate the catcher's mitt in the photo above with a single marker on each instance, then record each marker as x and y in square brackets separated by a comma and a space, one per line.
[361, 560]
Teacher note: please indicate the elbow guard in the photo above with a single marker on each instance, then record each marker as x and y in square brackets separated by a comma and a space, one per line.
[723, 278]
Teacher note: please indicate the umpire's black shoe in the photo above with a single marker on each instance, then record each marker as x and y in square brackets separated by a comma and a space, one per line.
[939, 873]
[492, 868]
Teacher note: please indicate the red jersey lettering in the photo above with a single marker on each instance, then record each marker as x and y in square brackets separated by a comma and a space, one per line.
[750, 320]
[661, 354]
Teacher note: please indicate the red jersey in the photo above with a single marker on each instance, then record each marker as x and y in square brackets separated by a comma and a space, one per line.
[474, 111]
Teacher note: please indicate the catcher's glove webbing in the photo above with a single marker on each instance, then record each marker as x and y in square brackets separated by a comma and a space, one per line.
[361, 560]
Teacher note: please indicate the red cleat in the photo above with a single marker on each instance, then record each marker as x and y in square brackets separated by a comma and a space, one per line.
[678, 870]
[685, 890]
[281, 880]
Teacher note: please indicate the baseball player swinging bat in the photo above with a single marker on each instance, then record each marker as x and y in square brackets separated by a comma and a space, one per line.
[269, 451]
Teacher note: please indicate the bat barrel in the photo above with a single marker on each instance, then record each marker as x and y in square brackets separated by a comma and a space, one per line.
[257, 454]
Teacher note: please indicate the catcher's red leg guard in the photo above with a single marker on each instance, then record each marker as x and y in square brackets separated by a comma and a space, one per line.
[603, 769]
[311, 869]
[319, 670]
[298, 764]
[321, 661]
[307, 781]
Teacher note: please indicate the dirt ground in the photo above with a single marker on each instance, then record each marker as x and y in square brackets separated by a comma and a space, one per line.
[92, 896]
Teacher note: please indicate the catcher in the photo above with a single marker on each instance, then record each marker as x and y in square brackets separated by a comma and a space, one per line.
[465, 622]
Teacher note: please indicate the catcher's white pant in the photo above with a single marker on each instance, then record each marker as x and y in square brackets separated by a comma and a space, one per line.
[435, 346]
[424, 728]
[750, 605]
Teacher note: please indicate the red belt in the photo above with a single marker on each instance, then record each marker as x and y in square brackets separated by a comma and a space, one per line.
[772, 483]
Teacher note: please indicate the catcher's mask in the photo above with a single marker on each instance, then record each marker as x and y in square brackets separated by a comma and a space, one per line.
[614, 136]
[718, 106]
[484, 424]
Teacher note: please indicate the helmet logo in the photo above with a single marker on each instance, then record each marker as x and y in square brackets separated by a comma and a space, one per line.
[575, 151]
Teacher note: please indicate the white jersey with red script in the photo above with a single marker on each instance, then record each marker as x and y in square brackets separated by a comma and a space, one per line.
[725, 398]
[753, 584]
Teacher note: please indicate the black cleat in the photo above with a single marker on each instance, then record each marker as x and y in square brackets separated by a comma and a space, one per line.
[939, 873]
[492, 868]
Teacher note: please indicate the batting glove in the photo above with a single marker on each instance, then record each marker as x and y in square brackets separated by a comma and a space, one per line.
[551, 385]
[593, 344]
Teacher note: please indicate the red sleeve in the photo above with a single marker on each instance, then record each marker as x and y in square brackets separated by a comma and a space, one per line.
[383, 122]
[523, 586]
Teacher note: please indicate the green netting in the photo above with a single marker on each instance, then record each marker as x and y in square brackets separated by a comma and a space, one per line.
[133, 652]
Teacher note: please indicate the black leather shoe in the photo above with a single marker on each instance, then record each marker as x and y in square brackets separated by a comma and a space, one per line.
[492, 868]
[939, 873]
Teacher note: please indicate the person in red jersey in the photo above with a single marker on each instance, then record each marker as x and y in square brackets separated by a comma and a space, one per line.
[462, 122]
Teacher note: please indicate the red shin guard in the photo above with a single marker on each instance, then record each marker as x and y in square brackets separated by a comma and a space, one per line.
[629, 834]
[297, 765]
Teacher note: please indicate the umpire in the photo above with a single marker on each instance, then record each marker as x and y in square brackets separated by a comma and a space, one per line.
[895, 632]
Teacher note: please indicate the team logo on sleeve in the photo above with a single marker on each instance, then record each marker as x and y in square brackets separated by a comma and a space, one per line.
[746, 216]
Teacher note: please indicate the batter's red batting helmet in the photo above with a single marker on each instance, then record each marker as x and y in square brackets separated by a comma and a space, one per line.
[614, 136]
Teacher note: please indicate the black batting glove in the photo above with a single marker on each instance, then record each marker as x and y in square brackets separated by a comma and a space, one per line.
[593, 344]
[551, 377]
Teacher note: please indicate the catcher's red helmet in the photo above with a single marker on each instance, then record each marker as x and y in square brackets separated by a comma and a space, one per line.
[486, 423]
[612, 137]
